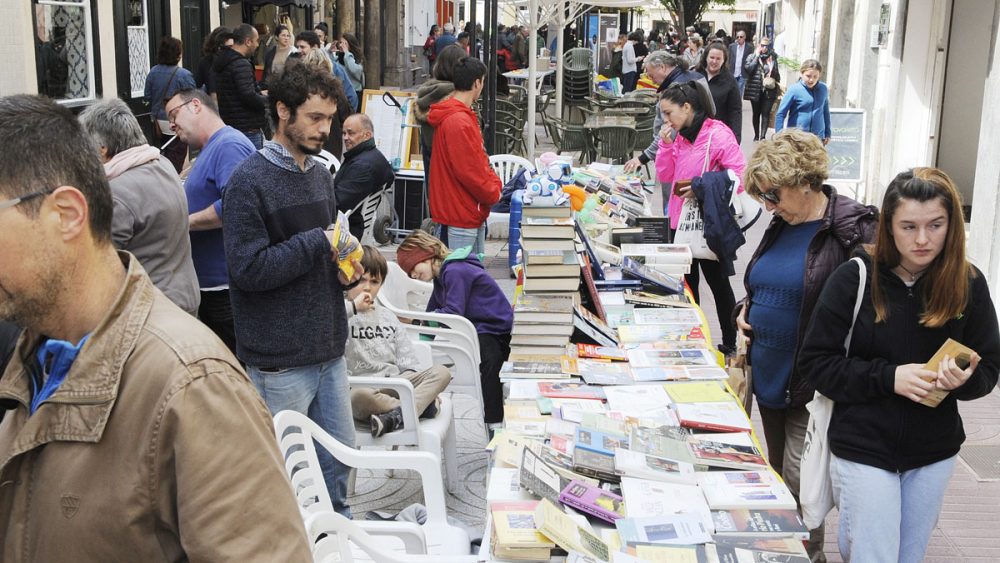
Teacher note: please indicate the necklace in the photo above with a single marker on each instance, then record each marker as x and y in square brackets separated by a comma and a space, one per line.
[913, 275]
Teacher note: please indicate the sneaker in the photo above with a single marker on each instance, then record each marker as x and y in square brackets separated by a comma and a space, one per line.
[386, 422]
[727, 351]
[431, 410]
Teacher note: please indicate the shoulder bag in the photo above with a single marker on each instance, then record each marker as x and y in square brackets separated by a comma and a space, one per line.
[816, 488]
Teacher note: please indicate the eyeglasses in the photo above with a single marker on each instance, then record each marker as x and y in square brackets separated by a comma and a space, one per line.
[771, 196]
[19, 200]
[172, 114]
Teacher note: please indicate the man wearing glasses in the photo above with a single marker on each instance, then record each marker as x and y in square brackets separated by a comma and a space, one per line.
[129, 432]
[194, 118]
[738, 53]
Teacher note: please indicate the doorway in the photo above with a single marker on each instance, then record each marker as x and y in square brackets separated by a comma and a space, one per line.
[965, 81]
[194, 29]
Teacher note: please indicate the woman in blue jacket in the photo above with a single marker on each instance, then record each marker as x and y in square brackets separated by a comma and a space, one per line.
[806, 103]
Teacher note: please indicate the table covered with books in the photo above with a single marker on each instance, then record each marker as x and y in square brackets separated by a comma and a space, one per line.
[622, 439]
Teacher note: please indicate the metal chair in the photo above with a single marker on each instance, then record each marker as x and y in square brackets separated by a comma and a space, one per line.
[569, 137]
[614, 142]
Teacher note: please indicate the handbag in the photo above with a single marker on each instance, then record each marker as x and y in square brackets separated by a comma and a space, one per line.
[816, 488]
[741, 374]
[691, 227]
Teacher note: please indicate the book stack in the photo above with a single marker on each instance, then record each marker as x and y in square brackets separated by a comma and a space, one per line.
[514, 534]
[671, 259]
[543, 324]
[548, 250]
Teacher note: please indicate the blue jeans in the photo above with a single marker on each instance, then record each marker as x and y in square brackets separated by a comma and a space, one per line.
[741, 82]
[458, 237]
[887, 516]
[256, 137]
[321, 392]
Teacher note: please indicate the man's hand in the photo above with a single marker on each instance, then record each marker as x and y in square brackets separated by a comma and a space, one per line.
[950, 376]
[359, 271]
[826, 141]
[911, 382]
[632, 165]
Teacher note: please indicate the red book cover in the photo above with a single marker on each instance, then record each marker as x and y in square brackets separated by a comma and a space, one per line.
[588, 281]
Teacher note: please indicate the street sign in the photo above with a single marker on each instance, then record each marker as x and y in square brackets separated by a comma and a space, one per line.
[847, 145]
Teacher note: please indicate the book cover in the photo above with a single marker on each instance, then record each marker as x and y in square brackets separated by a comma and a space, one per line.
[709, 449]
[619, 315]
[592, 351]
[560, 528]
[729, 554]
[529, 245]
[547, 227]
[617, 285]
[715, 417]
[586, 271]
[514, 524]
[673, 554]
[567, 270]
[762, 522]
[593, 500]
[593, 464]
[686, 316]
[645, 466]
[654, 229]
[593, 328]
[539, 477]
[785, 546]
[604, 423]
[505, 485]
[698, 392]
[532, 339]
[637, 399]
[549, 257]
[637, 334]
[745, 489]
[599, 372]
[647, 441]
[626, 235]
[536, 210]
[533, 369]
[647, 299]
[659, 253]
[645, 498]
[542, 329]
[593, 261]
[599, 442]
[676, 529]
[962, 355]
[656, 281]
[645, 357]
[572, 410]
[570, 390]
[660, 373]
[551, 285]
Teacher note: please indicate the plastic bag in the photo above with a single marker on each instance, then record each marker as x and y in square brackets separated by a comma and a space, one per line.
[348, 248]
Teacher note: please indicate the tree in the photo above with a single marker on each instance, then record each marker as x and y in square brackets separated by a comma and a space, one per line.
[689, 12]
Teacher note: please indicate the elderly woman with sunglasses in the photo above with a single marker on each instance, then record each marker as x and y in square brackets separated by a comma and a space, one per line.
[813, 231]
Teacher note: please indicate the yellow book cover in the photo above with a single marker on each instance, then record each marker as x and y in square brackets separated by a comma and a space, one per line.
[560, 528]
[669, 553]
[514, 524]
[698, 392]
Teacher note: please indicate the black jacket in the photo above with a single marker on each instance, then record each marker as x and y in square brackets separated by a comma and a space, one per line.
[871, 424]
[846, 225]
[364, 172]
[241, 104]
[728, 105]
[723, 235]
[754, 89]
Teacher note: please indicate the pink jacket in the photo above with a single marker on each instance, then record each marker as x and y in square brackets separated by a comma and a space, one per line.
[680, 160]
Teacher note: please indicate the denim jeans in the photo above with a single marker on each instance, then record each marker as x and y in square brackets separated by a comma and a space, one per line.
[256, 137]
[741, 82]
[458, 237]
[321, 392]
[887, 516]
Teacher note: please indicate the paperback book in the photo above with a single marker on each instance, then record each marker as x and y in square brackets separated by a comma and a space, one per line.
[733, 451]
[677, 529]
[592, 351]
[599, 442]
[760, 522]
[599, 372]
[560, 528]
[644, 466]
[685, 316]
[653, 280]
[643, 357]
[551, 309]
[635, 334]
[539, 477]
[515, 535]
[593, 500]
[745, 489]
[547, 227]
[714, 417]
[560, 390]
[595, 465]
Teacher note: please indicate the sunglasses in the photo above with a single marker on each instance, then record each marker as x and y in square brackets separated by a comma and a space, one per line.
[771, 196]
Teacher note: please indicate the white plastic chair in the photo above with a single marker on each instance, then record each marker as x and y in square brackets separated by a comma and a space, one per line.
[328, 161]
[346, 541]
[433, 435]
[296, 435]
[506, 165]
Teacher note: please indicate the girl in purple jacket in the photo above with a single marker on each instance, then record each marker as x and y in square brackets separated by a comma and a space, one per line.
[463, 287]
[689, 134]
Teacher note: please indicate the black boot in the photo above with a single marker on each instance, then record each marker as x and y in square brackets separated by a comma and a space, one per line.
[386, 422]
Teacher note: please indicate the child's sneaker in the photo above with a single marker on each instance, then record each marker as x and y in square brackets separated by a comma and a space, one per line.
[386, 422]
[432, 409]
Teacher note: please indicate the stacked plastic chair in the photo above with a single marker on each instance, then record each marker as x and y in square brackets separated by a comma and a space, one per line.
[578, 80]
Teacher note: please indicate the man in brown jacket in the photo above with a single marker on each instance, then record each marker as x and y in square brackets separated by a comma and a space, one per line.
[129, 431]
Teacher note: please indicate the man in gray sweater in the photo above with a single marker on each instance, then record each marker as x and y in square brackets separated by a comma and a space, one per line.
[284, 281]
[150, 217]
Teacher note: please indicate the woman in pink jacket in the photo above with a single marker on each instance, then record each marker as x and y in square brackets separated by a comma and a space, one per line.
[688, 133]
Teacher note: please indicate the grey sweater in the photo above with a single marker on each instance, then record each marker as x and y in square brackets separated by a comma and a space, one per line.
[283, 282]
[150, 220]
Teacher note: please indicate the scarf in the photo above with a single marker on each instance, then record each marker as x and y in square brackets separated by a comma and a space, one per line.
[129, 159]
[690, 132]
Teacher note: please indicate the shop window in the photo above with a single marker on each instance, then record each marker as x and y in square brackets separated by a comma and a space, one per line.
[64, 50]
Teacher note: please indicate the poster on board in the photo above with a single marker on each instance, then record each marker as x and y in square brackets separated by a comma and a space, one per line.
[847, 145]
[393, 121]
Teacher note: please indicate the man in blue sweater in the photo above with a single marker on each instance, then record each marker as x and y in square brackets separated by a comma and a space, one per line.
[285, 285]
[195, 119]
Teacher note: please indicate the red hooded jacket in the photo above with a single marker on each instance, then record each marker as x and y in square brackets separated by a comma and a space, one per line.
[463, 185]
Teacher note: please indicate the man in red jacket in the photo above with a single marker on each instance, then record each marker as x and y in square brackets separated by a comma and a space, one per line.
[464, 186]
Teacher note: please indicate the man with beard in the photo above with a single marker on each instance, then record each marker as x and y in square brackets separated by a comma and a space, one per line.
[284, 282]
[124, 418]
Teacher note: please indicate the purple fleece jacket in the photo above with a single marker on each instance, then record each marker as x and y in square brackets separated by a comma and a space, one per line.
[465, 288]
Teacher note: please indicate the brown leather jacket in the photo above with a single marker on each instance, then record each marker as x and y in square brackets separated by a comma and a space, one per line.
[846, 225]
[156, 447]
